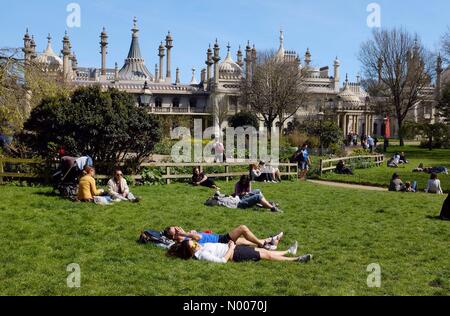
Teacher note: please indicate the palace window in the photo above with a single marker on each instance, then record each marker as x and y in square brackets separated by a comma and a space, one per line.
[193, 102]
[176, 102]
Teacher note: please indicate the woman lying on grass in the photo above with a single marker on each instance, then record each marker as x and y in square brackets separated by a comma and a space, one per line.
[241, 235]
[222, 253]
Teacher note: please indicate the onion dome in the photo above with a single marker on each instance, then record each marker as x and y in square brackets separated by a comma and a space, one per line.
[228, 69]
[48, 58]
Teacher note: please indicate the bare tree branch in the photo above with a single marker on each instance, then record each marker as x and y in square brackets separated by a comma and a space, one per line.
[276, 90]
[406, 69]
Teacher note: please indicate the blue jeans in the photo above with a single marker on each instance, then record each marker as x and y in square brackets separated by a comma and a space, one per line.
[251, 199]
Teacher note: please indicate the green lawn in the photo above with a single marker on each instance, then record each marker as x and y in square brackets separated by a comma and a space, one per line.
[381, 176]
[346, 230]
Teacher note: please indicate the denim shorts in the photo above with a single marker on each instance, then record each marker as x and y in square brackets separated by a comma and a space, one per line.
[250, 200]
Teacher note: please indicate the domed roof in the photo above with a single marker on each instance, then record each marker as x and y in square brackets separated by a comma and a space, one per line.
[348, 96]
[48, 57]
[228, 69]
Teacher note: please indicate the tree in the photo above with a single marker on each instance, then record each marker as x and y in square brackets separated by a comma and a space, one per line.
[435, 134]
[397, 67]
[276, 90]
[446, 45]
[23, 85]
[244, 119]
[107, 126]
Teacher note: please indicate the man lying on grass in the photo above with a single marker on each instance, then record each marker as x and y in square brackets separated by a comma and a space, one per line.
[252, 199]
[241, 236]
[222, 253]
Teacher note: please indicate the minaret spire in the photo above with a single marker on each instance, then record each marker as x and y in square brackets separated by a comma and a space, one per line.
[103, 51]
[169, 46]
[134, 68]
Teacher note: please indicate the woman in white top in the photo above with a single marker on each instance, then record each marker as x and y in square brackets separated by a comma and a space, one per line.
[222, 253]
[434, 185]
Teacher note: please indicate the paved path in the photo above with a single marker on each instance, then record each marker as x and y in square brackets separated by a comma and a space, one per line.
[347, 185]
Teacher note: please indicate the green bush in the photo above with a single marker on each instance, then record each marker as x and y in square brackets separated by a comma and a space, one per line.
[104, 125]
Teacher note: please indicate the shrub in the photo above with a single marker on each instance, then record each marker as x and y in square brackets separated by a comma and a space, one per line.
[244, 119]
[104, 125]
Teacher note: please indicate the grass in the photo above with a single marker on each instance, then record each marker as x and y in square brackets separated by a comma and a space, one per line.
[380, 176]
[345, 229]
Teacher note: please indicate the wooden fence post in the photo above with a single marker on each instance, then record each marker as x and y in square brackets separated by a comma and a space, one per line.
[227, 169]
[168, 174]
[321, 167]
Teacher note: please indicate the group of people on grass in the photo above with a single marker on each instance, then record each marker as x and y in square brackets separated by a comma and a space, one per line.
[433, 185]
[397, 160]
[244, 197]
[239, 245]
[117, 191]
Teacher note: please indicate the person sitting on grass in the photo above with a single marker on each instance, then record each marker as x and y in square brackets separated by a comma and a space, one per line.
[199, 178]
[410, 187]
[396, 184]
[276, 174]
[445, 213]
[403, 158]
[341, 168]
[118, 188]
[391, 163]
[256, 174]
[267, 172]
[243, 187]
[87, 188]
[223, 253]
[254, 198]
[434, 185]
[241, 235]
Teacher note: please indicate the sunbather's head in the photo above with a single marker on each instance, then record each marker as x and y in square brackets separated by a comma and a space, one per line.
[245, 180]
[395, 176]
[170, 232]
[184, 250]
[433, 176]
[196, 171]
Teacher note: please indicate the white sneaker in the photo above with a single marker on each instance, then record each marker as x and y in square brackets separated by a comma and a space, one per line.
[277, 237]
[293, 249]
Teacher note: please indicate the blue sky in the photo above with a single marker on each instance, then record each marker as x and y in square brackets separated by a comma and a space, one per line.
[329, 28]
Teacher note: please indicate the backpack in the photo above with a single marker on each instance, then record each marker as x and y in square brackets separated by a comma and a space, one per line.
[156, 238]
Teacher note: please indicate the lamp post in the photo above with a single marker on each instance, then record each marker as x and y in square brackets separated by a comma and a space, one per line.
[146, 97]
[321, 115]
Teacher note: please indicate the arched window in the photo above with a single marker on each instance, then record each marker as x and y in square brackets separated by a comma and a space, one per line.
[176, 102]
[193, 102]
[158, 102]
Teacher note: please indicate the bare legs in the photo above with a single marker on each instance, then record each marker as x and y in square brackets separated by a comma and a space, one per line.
[244, 236]
[266, 204]
[275, 255]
